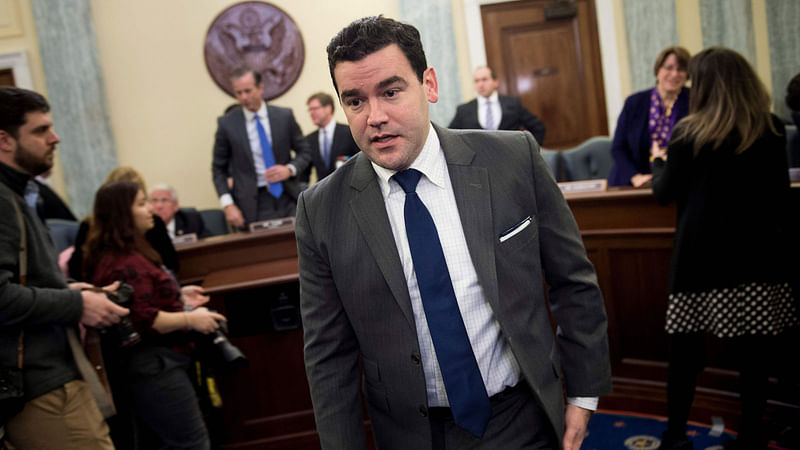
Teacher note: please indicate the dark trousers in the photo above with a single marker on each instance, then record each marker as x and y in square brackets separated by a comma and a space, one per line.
[687, 360]
[164, 400]
[270, 207]
[518, 422]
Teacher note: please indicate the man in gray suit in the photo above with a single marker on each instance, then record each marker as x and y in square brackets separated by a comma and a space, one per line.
[252, 147]
[500, 223]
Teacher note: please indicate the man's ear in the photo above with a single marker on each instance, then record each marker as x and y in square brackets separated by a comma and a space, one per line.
[430, 85]
[7, 142]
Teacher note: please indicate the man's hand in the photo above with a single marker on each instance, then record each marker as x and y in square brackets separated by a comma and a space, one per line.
[204, 321]
[234, 216]
[640, 180]
[576, 420]
[194, 296]
[99, 311]
[277, 173]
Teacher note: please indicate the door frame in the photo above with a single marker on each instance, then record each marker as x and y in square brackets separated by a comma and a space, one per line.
[18, 63]
[610, 58]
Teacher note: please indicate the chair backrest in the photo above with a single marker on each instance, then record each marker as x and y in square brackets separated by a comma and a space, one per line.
[63, 232]
[591, 160]
[554, 161]
[215, 222]
[792, 146]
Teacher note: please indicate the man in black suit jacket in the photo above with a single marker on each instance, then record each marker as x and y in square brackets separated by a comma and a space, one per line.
[340, 140]
[179, 221]
[503, 227]
[507, 112]
[238, 155]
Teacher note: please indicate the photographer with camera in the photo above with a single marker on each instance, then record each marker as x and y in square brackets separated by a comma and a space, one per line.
[153, 376]
[46, 382]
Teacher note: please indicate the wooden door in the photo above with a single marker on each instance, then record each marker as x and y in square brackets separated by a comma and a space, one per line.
[7, 77]
[547, 53]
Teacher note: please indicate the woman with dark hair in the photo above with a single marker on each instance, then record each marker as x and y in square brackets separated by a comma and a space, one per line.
[647, 119]
[154, 371]
[731, 269]
[158, 237]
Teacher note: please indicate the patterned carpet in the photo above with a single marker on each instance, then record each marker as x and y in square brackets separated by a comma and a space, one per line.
[613, 430]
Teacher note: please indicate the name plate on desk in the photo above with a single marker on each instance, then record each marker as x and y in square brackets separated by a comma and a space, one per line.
[185, 238]
[584, 186]
[270, 224]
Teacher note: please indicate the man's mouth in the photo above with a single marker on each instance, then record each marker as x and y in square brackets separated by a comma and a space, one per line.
[383, 138]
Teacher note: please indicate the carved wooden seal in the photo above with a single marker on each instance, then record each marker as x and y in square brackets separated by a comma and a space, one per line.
[257, 35]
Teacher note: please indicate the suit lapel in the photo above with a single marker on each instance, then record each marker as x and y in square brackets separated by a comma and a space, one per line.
[240, 128]
[472, 191]
[278, 145]
[373, 222]
[506, 113]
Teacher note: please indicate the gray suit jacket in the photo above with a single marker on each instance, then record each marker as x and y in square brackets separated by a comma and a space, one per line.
[233, 156]
[355, 302]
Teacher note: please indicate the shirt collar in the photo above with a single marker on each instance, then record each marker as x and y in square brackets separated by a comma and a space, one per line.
[482, 100]
[262, 113]
[430, 162]
[329, 128]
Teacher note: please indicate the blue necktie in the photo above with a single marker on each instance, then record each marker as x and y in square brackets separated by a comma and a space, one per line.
[326, 147]
[276, 189]
[466, 392]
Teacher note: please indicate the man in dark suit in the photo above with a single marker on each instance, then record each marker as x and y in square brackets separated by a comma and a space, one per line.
[179, 221]
[335, 136]
[492, 111]
[252, 147]
[437, 290]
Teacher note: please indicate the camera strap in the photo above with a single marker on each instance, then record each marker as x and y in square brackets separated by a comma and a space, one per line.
[23, 270]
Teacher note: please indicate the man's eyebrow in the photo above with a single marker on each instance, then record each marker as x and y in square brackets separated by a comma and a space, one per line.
[392, 80]
[395, 79]
[350, 93]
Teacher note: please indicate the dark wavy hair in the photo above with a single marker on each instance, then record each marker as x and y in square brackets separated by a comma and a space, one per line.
[366, 36]
[15, 103]
[112, 227]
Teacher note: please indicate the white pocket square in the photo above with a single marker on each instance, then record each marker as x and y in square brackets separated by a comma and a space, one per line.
[513, 231]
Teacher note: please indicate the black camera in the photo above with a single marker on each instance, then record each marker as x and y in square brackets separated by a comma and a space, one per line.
[124, 332]
[227, 351]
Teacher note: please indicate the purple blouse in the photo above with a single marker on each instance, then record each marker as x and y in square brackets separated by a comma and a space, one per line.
[662, 120]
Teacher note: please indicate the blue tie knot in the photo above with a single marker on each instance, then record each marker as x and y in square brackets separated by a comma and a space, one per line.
[408, 179]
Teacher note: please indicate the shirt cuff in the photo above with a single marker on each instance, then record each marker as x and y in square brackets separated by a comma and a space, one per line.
[225, 200]
[292, 169]
[589, 403]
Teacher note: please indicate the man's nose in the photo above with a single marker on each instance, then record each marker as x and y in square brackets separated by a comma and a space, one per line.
[377, 114]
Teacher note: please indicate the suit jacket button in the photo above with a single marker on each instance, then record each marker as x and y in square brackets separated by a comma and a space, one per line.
[415, 358]
[423, 411]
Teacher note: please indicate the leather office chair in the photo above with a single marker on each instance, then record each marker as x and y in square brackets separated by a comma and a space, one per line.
[63, 232]
[215, 222]
[554, 161]
[591, 160]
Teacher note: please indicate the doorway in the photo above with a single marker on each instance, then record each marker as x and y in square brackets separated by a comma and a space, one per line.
[547, 53]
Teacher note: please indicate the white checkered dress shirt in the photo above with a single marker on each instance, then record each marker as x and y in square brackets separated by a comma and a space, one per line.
[499, 369]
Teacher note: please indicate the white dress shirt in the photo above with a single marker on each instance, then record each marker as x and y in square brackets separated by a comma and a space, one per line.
[498, 366]
[497, 111]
